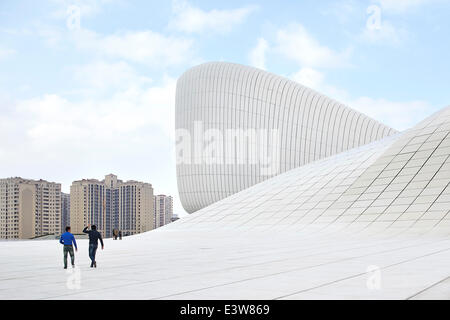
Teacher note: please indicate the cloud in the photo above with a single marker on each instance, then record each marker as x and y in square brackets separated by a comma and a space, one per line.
[257, 55]
[309, 77]
[189, 19]
[147, 47]
[295, 43]
[315, 80]
[101, 76]
[400, 115]
[94, 121]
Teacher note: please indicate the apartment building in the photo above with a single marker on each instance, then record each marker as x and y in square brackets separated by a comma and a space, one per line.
[86, 199]
[65, 211]
[111, 204]
[163, 210]
[135, 207]
[29, 208]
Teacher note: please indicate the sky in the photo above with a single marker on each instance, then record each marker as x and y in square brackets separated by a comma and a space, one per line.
[87, 87]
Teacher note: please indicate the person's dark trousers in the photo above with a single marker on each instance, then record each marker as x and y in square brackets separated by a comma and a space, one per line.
[92, 252]
[68, 249]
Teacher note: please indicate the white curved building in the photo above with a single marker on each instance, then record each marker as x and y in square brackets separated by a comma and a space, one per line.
[340, 170]
[230, 102]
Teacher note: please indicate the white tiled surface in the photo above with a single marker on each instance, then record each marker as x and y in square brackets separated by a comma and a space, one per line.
[168, 264]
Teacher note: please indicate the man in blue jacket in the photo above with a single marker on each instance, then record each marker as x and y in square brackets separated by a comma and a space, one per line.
[67, 239]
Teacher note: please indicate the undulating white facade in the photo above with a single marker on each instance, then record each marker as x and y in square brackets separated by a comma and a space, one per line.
[232, 98]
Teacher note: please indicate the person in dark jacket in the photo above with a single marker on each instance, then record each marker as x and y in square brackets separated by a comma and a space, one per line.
[67, 239]
[94, 236]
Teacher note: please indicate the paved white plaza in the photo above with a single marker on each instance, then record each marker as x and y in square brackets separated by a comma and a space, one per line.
[174, 264]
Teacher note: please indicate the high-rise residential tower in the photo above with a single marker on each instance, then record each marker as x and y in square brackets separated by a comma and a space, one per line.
[135, 207]
[111, 204]
[29, 208]
[65, 211]
[163, 210]
[86, 200]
